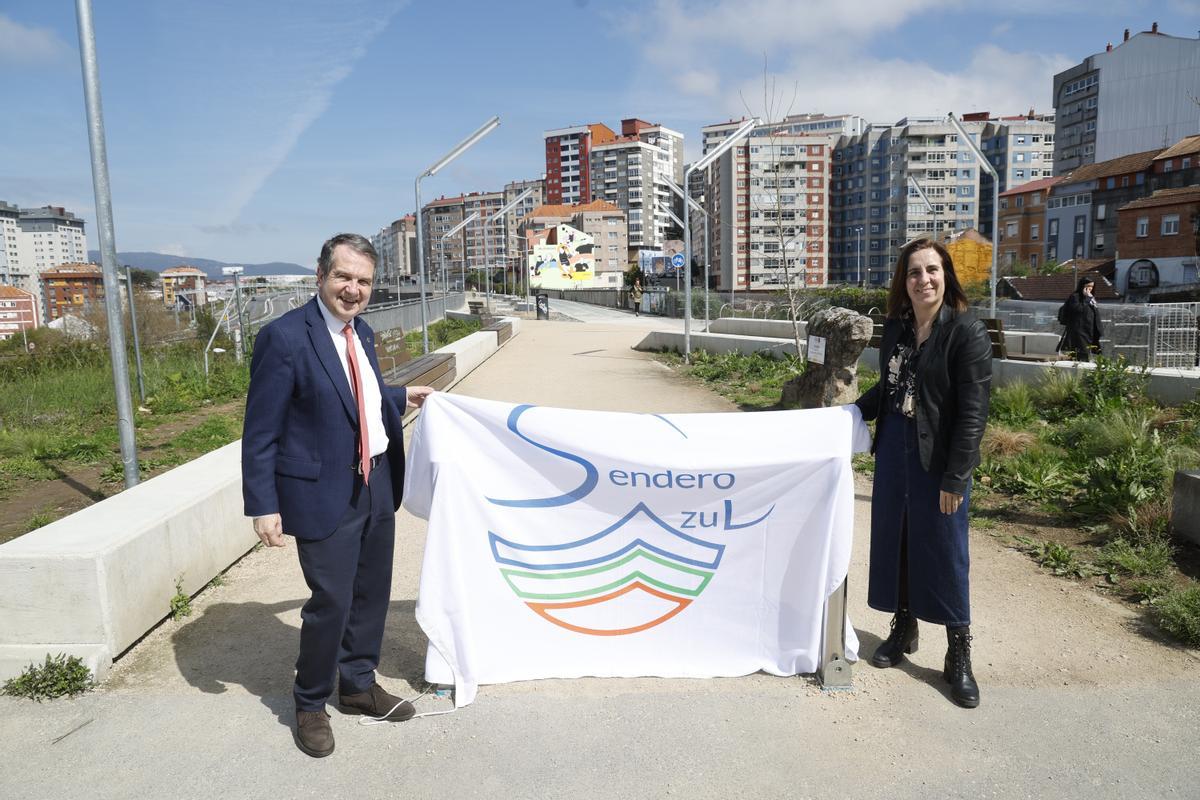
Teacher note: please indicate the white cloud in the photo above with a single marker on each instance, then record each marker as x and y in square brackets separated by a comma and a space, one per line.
[698, 82]
[21, 44]
[172, 249]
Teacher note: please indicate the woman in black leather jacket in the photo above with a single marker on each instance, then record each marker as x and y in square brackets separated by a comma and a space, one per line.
[931, 404]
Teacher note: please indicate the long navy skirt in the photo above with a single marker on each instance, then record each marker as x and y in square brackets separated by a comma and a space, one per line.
[904, 504]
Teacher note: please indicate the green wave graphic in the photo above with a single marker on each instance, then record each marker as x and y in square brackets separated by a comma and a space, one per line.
[704, 575]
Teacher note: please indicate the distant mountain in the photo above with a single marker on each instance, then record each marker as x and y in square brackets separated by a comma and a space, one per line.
[160, 261]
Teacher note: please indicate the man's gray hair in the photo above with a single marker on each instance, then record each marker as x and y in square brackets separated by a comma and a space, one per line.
[360, 244]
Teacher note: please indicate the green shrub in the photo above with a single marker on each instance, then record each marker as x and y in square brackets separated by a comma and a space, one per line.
[1035, 474]
[1014, 405]
[1058, 395]
[60, 675]
[1178, 613]
[1112, 384]
[181, 604]
[1150, 560]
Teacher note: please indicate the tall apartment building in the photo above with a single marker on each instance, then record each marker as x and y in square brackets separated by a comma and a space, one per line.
[485, 237]
[631, 171]
[516, 215]
[35, 239]
[770, 201]
[397, 247]
[10, 228]
[1021, 149]
[1128, 99]
[71, 289]
[799, 124]
[439, 217]
[568, 161]
[875, 210]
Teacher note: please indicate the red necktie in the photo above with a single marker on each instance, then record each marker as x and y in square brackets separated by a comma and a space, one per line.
[356, 384]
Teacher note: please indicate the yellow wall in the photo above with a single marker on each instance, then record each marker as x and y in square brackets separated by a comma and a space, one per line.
[972, 260]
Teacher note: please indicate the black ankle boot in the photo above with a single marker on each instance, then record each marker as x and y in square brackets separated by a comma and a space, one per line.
[963, 689]
[902, 639]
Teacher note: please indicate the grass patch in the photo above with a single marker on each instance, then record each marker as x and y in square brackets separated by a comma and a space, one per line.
[59, 676]
[754, 382]
[40, 520]
[1152, 560]
[1178, 613]
[441, 333]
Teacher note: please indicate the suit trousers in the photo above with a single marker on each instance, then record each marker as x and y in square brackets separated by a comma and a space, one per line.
[350, 576]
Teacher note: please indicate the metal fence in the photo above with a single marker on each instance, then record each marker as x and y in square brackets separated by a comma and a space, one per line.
[1146, 334]
[407, 313]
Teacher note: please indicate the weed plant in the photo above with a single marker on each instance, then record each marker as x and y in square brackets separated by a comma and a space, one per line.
[59, 676]
[181, 604]
[1178, 613]
[1151, 560]
[441, 333]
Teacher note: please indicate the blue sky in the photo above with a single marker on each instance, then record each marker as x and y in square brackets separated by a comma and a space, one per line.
[250, 131]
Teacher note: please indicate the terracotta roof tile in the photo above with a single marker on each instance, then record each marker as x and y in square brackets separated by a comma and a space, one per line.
[1057, 287]
[1185, 194]
[1188, 145]
[1134, 162]
[13, 293]
[1032, 186]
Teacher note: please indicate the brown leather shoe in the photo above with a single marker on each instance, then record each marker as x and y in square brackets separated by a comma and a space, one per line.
[376, 702]
[313, 733]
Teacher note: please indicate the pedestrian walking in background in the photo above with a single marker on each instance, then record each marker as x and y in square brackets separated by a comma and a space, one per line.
[931, 403]
[1081, 317]
[635, 296]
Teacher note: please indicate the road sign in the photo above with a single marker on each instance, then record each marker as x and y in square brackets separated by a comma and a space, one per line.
[677, 261]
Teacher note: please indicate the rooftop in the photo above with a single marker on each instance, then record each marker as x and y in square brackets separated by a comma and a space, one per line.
[1032, 186]
[571, 210]
[1188, 145]
[1164, 197]
[1057, 287]
[13, 293]
[1134, 162]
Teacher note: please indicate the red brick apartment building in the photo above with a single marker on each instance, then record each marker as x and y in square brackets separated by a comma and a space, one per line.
[72, 289]
[1158, 241]
[1022, 220]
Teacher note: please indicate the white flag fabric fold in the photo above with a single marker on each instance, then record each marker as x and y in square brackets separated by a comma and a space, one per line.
[565, 543]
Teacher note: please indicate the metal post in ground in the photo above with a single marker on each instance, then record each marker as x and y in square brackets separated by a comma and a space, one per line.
[137, 346]
[108, 248]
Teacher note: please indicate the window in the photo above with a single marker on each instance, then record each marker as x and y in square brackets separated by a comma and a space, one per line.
[1033, 259]
[1020, 201]
[1099, 242]
[1143, 227]
[1167, 165]
[1170, 224]
[1010, 230]
[1035, 231]
[1080, 222]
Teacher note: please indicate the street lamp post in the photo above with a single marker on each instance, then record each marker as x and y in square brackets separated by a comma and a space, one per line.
[137, 346]
[502, 215]
[458, 150]
[858, 231]
[695, 206]
[987, 166]
[742, 132]
[90, 68]
[474, 215]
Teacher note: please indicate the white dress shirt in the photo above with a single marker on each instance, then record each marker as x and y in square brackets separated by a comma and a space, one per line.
[372, 398]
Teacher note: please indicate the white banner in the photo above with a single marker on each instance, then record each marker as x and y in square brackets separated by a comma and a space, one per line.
[568, 543]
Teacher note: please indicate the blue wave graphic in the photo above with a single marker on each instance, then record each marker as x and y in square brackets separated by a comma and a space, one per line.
[591, 474]
[719, 549]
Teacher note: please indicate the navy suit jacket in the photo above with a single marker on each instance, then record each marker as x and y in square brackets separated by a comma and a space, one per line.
[300, 437]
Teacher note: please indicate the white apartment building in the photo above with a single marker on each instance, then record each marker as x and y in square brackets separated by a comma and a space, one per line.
[33, 240]
[632, 171]
[397, 248]
[1131, 98]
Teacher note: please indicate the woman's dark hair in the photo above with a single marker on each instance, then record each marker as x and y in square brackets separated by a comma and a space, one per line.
[1084, 281]
[898, 301]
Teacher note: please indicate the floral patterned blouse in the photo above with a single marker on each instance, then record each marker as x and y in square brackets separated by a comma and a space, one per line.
[902, 372]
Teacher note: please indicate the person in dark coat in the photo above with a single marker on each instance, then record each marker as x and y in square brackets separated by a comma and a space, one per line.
[1082, 319]
[931, 404]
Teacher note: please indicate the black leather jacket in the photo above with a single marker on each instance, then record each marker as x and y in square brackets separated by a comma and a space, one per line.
[954, 381]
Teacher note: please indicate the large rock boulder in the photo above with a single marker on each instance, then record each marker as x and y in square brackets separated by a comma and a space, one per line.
[835, 382]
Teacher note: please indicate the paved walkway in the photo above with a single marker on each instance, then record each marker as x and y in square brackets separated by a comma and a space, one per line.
[1077, 700]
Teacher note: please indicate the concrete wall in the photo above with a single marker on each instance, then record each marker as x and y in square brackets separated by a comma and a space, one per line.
[717, 343]
[93, 583]
[1185, 506]
[741, 326]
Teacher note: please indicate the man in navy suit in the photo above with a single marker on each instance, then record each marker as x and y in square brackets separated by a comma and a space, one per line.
[323, 461]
